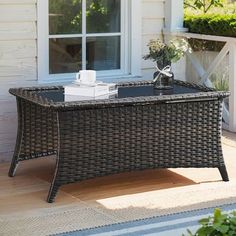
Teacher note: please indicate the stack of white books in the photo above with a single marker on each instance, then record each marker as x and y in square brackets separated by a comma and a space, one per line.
[88, 91]
[74, 98]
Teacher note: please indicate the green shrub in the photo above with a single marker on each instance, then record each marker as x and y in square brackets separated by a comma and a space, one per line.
[213, 24]
[217, 225]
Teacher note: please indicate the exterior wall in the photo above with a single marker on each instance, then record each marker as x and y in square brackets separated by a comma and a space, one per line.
[17, 63]
[18, 56]
[153, 13]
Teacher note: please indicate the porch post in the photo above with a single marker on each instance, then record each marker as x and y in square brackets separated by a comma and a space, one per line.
[232, 87]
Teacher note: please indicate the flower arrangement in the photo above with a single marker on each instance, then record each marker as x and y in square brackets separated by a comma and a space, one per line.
[165, 53]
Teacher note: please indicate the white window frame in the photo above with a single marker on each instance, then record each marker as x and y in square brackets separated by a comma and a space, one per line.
[130, 50]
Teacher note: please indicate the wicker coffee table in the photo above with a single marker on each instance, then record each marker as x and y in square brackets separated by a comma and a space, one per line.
[141, 128]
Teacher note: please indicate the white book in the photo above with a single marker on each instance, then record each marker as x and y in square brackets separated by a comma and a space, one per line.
[89, 90]
[74, 98]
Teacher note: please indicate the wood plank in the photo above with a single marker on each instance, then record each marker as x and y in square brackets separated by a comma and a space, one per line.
[152, 26]
[6, 156]
[21, 71]
[206, 37]
[13, 82]
[17, 49]
[17, 13]
[7, 147]
[8, 2]
[153, 10]
[8, 129]
[29, 188]
[7, 107]
[7, 82]
[16, 30]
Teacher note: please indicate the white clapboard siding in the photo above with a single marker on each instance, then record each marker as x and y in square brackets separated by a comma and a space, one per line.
[6, 156]
[17, 2]
[17, 49]
[17, 30]
[7, 107]
[18, 56]
[152, 25]
[8, 135]
[153, 9]
[18, 70]
[18, 63]
[4, 87]
[17, 12]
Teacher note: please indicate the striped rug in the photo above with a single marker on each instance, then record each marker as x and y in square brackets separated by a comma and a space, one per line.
[175, 224]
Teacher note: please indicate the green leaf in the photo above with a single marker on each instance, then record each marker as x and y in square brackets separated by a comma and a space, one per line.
[233, 221]
[232, 233]
[218, 225]
[203, 231]
[204, 221]
[221, 228]
[189, 233]
[217, 214]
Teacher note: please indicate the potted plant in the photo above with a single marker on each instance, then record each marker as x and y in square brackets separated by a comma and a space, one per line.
[217, 225]
[163, 54]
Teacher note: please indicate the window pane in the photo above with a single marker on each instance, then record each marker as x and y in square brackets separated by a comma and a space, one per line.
[65, 55]
[103, 53]
[103, 16]
[65, 16]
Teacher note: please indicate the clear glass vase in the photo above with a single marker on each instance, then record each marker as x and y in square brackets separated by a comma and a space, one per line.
[162, 81]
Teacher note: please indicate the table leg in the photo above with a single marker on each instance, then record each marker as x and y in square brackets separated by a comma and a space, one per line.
[15, 159]
[36, 133]
[223, 173]
[55, 185]
[13, 167]
[52, 192]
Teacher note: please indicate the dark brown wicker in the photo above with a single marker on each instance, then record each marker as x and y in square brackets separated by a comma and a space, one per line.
[98, 138]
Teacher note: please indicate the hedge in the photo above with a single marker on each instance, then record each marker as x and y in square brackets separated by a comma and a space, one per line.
[213, 24]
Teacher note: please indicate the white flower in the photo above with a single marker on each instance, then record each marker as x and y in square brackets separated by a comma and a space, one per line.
[172, 51]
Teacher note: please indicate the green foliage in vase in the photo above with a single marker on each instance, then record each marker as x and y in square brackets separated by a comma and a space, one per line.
[165, 53]
[217, 225]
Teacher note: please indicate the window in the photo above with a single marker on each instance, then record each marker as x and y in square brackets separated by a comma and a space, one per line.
[85, 34]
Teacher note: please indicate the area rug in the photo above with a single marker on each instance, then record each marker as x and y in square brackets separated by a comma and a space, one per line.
[175, 224]
[120, 209]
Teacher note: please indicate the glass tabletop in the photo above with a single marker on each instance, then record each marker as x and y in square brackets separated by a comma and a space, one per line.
[123, 92]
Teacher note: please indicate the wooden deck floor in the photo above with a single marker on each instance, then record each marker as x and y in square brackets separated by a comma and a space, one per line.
[29, 188]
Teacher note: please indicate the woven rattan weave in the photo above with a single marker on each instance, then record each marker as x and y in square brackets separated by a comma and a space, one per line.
[103, 137]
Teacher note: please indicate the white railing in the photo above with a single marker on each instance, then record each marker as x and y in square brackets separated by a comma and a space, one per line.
[229, 115]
